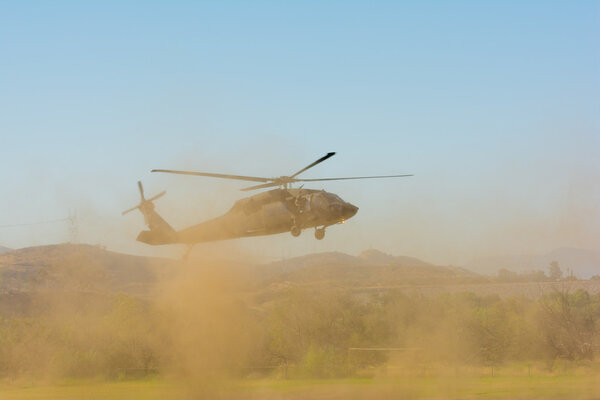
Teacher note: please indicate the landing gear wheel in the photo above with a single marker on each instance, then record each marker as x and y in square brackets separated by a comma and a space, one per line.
[319, 233]
[295, 231]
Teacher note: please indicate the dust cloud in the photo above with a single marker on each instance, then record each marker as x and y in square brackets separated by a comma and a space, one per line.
[214, 327]
[209, 328]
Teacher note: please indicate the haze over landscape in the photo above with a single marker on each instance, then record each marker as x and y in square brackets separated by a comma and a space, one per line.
[478, 277]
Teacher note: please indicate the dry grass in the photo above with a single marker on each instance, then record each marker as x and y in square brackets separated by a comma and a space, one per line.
[546, 387]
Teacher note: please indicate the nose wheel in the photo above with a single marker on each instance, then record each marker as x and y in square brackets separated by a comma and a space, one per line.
[319, 233]
[295, 231]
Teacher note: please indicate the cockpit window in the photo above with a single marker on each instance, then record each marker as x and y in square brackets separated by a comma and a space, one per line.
[333, 197]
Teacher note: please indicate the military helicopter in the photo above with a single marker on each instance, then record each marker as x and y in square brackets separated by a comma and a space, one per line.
[280, 210]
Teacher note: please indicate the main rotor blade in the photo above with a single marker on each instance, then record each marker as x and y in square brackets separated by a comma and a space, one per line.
[325, 157]
[225, 176]
[266, 185]
[352, 177]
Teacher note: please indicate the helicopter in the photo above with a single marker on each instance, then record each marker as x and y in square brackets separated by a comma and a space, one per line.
[280, 210]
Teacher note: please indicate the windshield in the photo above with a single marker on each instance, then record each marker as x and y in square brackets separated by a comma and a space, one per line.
[333, 197]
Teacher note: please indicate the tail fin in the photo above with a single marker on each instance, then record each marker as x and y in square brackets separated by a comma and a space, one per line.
[160, 231]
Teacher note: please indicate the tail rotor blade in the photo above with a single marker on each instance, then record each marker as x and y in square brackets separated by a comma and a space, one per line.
[130, 210]
[161, 194]
[141, 189]
[144, 202]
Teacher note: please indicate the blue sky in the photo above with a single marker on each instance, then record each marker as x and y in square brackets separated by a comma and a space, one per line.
[494, 106]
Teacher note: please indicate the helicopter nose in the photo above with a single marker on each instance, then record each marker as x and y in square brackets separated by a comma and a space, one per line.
[350, 210]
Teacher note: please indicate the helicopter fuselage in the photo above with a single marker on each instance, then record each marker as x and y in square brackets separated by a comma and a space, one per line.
[267, 213]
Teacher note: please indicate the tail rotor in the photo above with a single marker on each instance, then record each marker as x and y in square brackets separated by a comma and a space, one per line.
[145, 204]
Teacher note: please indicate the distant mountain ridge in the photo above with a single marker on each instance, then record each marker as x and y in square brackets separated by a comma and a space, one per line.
[4, 249]
[583, 262]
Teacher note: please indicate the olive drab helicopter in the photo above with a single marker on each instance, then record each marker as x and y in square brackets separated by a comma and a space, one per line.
[280, 210]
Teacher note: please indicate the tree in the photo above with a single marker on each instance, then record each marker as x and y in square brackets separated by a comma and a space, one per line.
[569, 323]
[505, 275]
[554, 271]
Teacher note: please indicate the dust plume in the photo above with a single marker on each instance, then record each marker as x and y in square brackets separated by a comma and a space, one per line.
[210, 332]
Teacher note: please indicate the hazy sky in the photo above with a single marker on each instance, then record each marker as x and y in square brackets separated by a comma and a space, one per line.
[494, 106]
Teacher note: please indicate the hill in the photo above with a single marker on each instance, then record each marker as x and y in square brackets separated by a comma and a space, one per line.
[86, 273]
[377, 257]
[367, 257]
[583, 262]
[370, 268]
[79, 267]
[4, 249]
